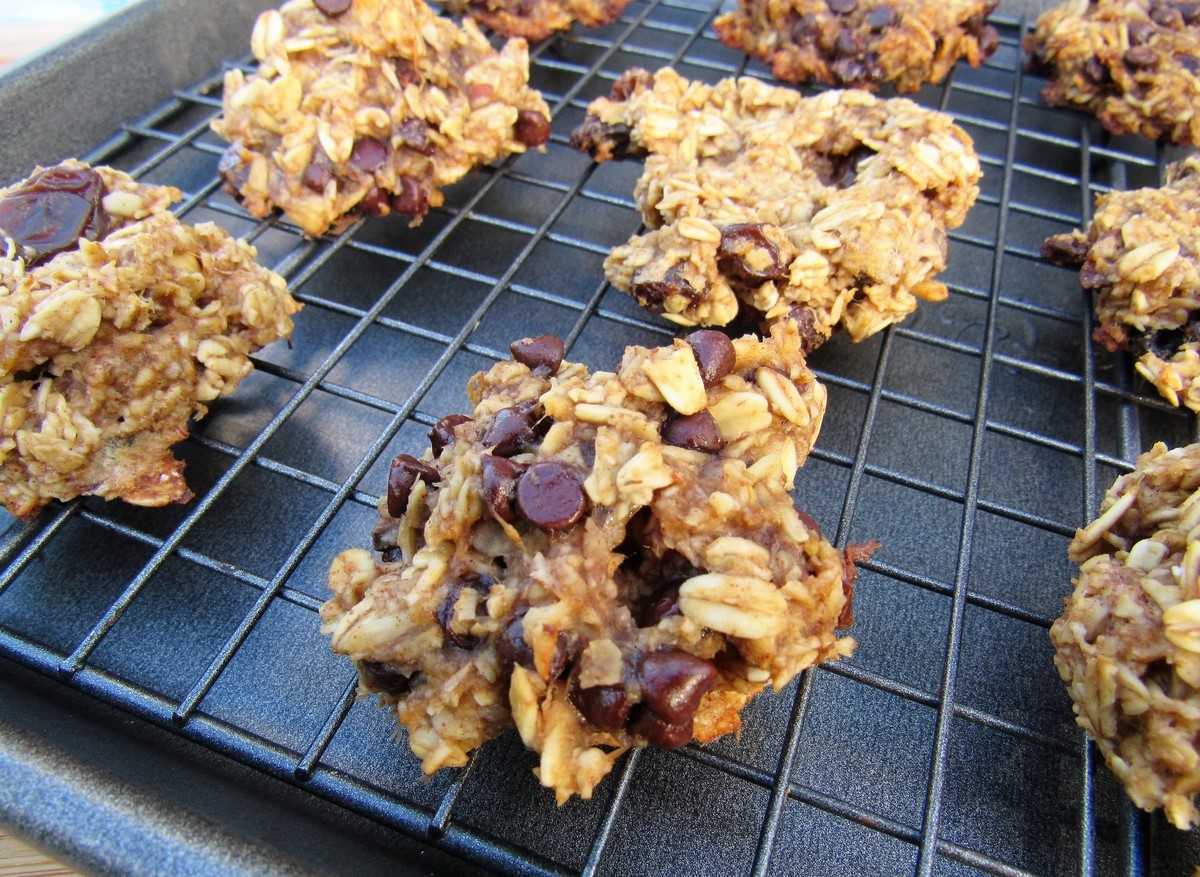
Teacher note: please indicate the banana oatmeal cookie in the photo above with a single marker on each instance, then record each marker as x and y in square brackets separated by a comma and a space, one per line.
[862, 43]
[831, 210]
[370, 106]
[1142, 256]
[1133, 64]
[1128, 641]
[120, 322]
[537, 19]
[602, 560]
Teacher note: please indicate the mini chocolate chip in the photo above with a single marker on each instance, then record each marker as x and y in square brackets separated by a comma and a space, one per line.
[414, 134]
[411, 199]
[1140, 58]
[375, 202]
[499, 478]
[511, 647]
[673, 682]
[510, 432]
[660, 733]
[737, 243]
[842, 7]
[662, 603]
[1139, 32]
[543, 352]
[386, 676]
[881, 17]
[550, 495]
[442, 434]
[332, 7]
[604, 706]
[714, 354]
[531, 128]
[653, 293]
[368, 155]
[405, 471]
[696, 432]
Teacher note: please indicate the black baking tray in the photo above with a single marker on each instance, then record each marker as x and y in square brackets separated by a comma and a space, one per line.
[168, 705]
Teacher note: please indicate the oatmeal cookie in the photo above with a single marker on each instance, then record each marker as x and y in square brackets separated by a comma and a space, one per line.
[1128, 641]
[603, 560]
[862, 43]
[1142, 256]
[537, 19]
[120, 322]
[370, 106]
[1133, 64]
[831, 210]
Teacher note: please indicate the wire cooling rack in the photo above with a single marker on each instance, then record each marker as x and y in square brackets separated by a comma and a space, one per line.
[971, 440]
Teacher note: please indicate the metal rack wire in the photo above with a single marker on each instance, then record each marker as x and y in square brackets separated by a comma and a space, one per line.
[971, 440]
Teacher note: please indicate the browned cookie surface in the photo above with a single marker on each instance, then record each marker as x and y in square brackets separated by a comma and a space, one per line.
[862, 43]
[536, 19]
[370, 107]
[601, 559]
[1128, 641]
[120, 324]
[1134, 64]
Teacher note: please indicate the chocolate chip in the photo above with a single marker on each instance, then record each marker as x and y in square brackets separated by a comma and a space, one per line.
[1097, 72]
[544, 352]
[737, 243]
[604, 706]
[403, 475]
[697, 432]
[1065, 249]
[442, 434]
[510, 432]
[847, 44]
[654, 293]
[445, 611]
[332, 7]
[410, 199]
[531, 128]
[48, 213]
[805, 319]
[842, 7]
[629, 83]
[1191, 64]
[673, 682]
[368, 155]
[550, 495]
[662, 603]
[809, 521]
[714, 354]
[318, 173]
[1139, 32]
[391, 555]
[383, 535]
[499, 478]
[414, 134]
[1190, 12]
[386, 676]
[511, 647]
[880, 17]
[1162, 14]
[806, 29]
[376, 202]
[232, 169]
[660, 733]
[1140, 58]
[604, 142]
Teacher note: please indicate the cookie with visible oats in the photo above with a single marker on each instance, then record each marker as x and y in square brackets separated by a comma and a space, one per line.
[603, 560]
[1128, 641]
[831, 211]
[537, 19]
[862, 43]
[370, 107]
[1133, 64]
[120, 323]
[1141, 255]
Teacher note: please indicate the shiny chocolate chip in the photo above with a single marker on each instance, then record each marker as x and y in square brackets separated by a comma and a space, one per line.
[673, 682]
[510, 432]
[544, 352]
[842, 7]
[403, 475]
[51, 211]
[881, 17]
[442, 434]
[658, 732]
[414, 134]
[737, 243]
[550, 495]
[531, 128]
[696, 432]
[714, 354]
[368, 155]
[604, 706]
[386, 676]
[499, 478]
[1140, 58]
[654, 293]
[410, 199]
[511, 647]
[445, 611]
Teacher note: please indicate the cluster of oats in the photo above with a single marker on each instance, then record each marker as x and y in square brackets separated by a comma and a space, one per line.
[537, 19]
[1128, 641]
[370, 108]
[111, 346]
[604, 560]
[831, 211]
[1140, 255]
[1134, 64]
[862, 43]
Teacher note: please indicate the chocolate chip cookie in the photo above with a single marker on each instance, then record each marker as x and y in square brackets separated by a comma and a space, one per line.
[862, 43]
[831, 211]
[1142, 256]
[1134, 64]
[1128, 641]
[537, 19]
[370, 107]
[603, 560]
[120, 323]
